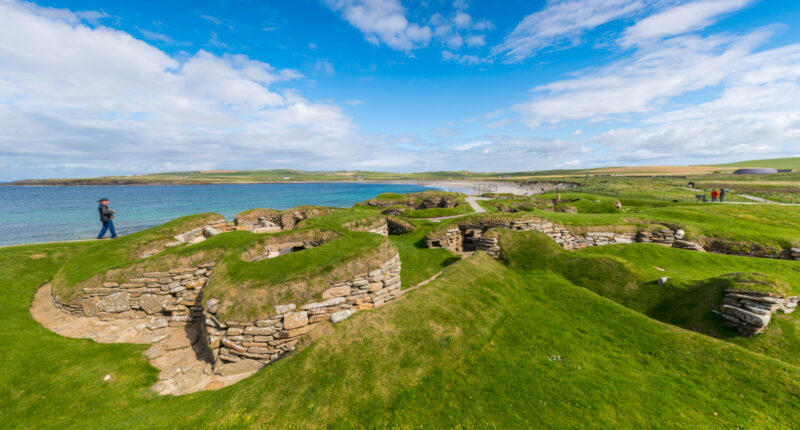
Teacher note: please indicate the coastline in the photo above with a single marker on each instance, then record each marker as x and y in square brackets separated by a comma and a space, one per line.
[466, 186]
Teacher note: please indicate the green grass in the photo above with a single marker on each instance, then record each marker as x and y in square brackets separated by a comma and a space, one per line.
[766, 225]
[485, 346]
[628, 273]
[461, 209]
[249, 289]
[545, 338]
[98, 257]
[775, 163]
[419, 262]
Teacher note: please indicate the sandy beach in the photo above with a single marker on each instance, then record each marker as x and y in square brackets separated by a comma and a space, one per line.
[472, 187]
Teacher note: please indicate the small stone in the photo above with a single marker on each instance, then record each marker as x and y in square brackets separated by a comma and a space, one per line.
[340, 291]
[295, 320]
[151, 304]
[209, 231]
[341, 315]
[212, 305]
[662, 280]
[282, 309]
[107, 378]
[680, 234]
[243, 366]
[117, 302]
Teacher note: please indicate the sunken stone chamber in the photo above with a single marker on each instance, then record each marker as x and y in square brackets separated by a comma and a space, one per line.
[266, 340]
[176, 293]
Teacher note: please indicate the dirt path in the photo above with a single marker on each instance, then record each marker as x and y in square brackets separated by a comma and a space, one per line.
[473, 202]
[175, 351]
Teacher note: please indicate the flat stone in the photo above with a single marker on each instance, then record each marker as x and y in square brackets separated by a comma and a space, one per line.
[325, 304]
[212, 305]
[117, 302]
[197, 283]
[243, 366]
[282, 309]
[295, 320]
[340, 291]
[209, 231]
[662, 280]
[287, 334]
[259, 331]
[90, 306]
[341, 315]
[747, 316]
[151, 303]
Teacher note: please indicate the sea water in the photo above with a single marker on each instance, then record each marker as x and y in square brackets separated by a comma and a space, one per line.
[30, 214]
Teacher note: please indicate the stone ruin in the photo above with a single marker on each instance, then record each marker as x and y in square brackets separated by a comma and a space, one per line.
[472, 236]
[174, 298]
[751, 311]
[265, 340]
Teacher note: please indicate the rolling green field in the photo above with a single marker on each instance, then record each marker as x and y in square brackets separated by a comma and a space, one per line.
[542, 338]
[775, 163]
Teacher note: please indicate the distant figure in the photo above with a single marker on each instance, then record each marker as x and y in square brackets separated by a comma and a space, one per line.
[715, 195]
[722, 194]
[558, 199]
[618, 205]
[107, 218]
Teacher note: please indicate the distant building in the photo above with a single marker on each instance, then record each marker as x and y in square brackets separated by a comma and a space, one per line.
[755, 171]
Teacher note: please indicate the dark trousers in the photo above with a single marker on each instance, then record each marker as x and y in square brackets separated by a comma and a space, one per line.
[107, 225]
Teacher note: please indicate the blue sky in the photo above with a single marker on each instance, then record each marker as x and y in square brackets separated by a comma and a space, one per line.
[93, 88]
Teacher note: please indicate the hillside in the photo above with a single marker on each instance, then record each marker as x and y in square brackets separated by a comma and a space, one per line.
[775, 163]
[542, 338]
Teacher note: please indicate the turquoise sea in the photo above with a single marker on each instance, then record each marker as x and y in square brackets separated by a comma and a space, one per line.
[31, 214]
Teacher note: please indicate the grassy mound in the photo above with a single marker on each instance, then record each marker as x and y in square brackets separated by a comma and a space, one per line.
[248, 289]
[427, 204]
[486, 345]
[627, 274]
[98, 258]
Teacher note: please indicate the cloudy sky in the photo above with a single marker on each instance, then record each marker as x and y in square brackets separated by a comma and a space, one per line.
[91, 88]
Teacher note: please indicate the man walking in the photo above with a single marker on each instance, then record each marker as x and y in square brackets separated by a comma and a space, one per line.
[107, 218]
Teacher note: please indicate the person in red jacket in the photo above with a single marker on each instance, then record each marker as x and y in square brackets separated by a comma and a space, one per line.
[714, 195]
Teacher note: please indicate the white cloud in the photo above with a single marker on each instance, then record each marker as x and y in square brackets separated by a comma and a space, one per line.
[456, 31]
[562, 22]
[383, 21]
[75, 95]
[324, 66]
[472, 145]
[643, 83]
[463, 59]
[680, 19]
[476, 41]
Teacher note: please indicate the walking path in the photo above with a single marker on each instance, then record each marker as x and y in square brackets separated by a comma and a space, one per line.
[759, 199]
[473, 202]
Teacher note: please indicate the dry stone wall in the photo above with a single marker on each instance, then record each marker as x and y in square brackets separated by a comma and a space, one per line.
[273, 221]
[377, 226]
[751, 311]
[466, 237]
[176, 293]
[234, 345]
[266, 340]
